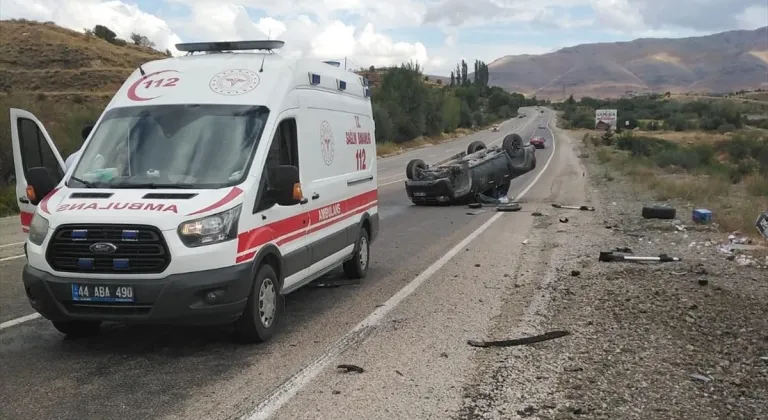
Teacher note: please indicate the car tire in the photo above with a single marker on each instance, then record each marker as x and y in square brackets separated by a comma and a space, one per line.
[513, 145]
[509, 207]
[659, 212]
[413, 169]
[475, 146]
[258, 323]
[78, 328]
[533, 164]
[357, 267]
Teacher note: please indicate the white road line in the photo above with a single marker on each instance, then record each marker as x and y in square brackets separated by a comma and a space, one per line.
[13, 244]
[281, 395]
[11, 323]
[11, 258]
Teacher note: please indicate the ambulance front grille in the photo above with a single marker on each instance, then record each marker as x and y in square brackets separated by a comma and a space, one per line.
[121, 249]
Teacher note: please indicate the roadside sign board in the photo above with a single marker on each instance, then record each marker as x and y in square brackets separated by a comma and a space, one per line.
[606, 117]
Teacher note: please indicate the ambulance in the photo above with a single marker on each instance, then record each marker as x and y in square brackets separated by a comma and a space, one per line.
[211, 186]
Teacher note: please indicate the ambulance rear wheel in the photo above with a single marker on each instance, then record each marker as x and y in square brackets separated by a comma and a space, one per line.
[258, 322]
[357, 267]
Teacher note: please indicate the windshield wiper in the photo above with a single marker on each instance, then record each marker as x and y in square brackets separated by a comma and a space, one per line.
[152, 185]
[84, 182]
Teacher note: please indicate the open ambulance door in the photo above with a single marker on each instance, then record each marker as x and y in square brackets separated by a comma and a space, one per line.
[32, 147]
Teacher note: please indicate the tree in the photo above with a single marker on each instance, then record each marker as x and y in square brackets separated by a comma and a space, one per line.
[141, 40]
[463, 73]
[104, 33]
[453, 79]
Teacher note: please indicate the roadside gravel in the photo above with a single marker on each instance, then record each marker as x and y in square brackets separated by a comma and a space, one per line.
[680, 340]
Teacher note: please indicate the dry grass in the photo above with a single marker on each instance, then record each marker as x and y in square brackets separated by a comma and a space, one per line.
[673, 136]
[29, 45]
[734, 206]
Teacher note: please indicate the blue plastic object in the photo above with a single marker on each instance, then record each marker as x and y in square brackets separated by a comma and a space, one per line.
[702, 216]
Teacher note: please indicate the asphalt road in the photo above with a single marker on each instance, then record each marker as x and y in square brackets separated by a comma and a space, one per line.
[160, 372]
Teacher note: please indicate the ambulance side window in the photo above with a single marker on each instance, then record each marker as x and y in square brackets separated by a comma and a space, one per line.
[284, 150]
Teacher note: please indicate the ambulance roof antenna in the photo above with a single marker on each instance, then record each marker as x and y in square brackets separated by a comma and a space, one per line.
[261, 69]
[141, 70]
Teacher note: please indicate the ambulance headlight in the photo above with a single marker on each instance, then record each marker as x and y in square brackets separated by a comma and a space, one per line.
[212, 229]
[38, 229]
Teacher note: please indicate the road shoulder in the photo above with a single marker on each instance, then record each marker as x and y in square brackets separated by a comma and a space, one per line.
[418, 364]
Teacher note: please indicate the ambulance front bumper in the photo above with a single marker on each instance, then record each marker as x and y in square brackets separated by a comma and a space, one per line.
[209, 297]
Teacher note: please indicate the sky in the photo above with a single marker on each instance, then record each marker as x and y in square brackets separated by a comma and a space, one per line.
[435, 33]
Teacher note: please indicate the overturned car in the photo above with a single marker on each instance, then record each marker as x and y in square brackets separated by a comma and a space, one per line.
[465, 177]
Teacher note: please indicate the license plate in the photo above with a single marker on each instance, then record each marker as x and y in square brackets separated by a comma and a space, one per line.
[102, 293]
[420, 194]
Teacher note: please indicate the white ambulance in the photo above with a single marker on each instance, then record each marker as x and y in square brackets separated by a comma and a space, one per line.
[212, 185]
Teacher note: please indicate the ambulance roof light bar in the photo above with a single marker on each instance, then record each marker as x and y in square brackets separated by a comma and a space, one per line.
[221, 46]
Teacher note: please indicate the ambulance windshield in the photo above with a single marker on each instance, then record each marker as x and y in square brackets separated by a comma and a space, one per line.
[171, 146]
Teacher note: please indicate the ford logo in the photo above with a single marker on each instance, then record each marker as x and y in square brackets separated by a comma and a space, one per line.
[103, 248]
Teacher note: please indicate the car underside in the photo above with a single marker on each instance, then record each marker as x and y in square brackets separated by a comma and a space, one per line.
[468, 176]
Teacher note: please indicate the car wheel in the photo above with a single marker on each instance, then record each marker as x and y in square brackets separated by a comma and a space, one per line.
[258, 322]
[357, 267]
[414, 168]
[475, 146]
[658, 212]
[78, 328]
[513, 145]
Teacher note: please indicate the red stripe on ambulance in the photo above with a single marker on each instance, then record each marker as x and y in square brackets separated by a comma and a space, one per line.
[294, 226]
[231, 195]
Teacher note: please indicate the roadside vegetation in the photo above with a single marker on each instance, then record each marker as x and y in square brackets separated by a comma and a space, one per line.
[728, 176]
[409, 112]
[705, 153]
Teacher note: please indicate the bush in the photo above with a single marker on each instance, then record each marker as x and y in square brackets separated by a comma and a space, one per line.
[8, 200]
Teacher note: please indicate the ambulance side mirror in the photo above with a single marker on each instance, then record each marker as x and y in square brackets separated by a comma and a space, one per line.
[39, 183]
[286, 186]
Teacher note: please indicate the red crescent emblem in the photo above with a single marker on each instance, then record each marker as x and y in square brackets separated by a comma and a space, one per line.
[132, 95]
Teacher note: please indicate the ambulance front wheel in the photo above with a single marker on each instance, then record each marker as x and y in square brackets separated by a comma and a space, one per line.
[357, 267]
[258, 322]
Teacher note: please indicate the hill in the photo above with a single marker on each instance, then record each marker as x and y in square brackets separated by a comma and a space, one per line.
[64, 77]
[723, 62]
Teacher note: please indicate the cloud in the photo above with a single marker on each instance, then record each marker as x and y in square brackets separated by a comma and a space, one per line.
[627, 16]
[305, 36]
[122, 18]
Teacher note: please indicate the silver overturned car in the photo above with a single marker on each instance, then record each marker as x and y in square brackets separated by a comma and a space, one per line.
[464, 177]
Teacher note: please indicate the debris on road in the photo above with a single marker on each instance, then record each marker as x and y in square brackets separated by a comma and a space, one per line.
[701, 216]
[508, 207]
[609, 256]
[475, 205]
[519, 341]
[476, 212]
[537, 213]
[659, 212]
[575, 273]
[762, 224]
[582, 208]
[563, 220]
[702, 378]
[351, 368]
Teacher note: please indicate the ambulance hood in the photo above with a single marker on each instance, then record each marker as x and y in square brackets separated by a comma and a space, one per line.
[163, 208]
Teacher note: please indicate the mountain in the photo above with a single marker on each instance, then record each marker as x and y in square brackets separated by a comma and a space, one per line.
[723, 62]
